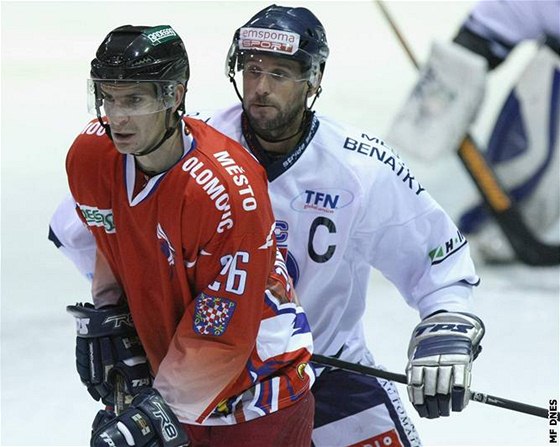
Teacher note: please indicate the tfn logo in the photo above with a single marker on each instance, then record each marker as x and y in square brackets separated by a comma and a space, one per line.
[324, 200]
[321, 199]
[451, 327]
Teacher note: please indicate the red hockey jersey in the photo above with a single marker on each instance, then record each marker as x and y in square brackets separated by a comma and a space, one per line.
[195, 255]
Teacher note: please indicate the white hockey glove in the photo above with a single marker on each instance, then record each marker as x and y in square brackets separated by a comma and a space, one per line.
[444, 102]
[441, 352]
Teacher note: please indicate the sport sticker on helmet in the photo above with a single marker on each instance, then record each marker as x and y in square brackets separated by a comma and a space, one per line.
[160, 34]
[284, 42]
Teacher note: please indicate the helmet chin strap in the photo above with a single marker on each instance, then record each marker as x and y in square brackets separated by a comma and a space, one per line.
[276, 140]
[170, 130]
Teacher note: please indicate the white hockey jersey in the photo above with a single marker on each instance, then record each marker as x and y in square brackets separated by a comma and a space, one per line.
[345, 202]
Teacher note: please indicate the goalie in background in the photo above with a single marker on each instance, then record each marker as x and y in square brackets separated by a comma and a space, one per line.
[524, 143]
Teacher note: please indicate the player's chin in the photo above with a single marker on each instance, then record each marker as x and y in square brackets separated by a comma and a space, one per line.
[126, 148]
[262, 112]
[125, 144]
[263, 120]
[260, 127]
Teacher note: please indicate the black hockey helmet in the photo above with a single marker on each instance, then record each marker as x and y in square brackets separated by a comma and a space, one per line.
[294, 33]
[142, 53]
[138, 55]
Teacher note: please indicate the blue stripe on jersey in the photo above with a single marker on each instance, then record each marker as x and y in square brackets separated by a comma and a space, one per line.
[279, 309]
[301, 325]
[53, 238]
[264, 400]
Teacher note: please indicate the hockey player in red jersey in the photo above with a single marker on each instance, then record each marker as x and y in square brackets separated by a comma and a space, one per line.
[184, 232]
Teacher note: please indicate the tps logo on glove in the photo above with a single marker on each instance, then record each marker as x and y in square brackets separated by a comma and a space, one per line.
[460, 328]
[82, 326]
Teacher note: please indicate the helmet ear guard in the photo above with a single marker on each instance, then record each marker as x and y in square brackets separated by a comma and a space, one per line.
[315, 77]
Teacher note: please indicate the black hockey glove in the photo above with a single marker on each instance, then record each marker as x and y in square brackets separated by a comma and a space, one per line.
[107, 344]
[441, 352]
[147, 422]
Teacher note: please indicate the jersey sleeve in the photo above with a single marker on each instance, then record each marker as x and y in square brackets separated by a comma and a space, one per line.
[515, 21]
[72, 238]
[216, 335]
[410, 239]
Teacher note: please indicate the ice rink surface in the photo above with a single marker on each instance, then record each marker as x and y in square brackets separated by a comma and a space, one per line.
[46, 50]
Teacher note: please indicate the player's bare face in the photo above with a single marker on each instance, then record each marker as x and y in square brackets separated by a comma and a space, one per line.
[132, 131]
[274, 95]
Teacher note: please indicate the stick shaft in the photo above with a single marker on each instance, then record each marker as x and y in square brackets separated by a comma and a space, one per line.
[401, 378]
[119, 394]
[404, 44]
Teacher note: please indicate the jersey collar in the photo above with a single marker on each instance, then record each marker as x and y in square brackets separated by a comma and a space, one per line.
[130, 171]
[276, 166]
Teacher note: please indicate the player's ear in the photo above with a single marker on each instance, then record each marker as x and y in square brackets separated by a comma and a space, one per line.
[180, 92]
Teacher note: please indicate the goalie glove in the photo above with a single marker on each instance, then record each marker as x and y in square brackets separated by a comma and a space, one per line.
[441, 352]
[444, 102]
[106, 345]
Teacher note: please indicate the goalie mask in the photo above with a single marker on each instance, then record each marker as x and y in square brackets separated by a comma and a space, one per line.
[293, 33]
[145, 65]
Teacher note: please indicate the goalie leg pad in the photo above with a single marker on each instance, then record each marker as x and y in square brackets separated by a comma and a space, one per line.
[443, 103]
[524, 146]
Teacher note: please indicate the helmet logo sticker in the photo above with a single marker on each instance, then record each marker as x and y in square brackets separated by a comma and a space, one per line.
[160, 34]
[284, 42]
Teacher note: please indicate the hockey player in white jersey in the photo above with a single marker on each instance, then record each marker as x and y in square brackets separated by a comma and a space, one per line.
[524, 146]
[344, 202]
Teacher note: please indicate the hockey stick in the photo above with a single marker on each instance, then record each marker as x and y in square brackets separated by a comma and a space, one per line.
[121, 397]
[401, 378]
[119, 394]
[526, 246]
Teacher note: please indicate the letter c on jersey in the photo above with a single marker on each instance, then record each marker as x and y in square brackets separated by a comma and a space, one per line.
[328, 254]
